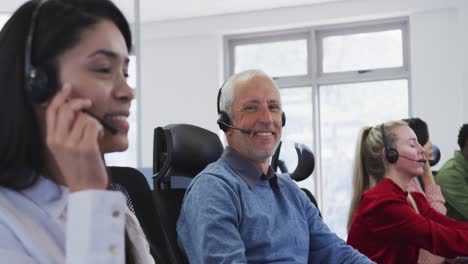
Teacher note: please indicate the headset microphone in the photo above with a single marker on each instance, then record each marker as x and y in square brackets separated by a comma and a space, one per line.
[243, 130]
[417, 160]
[104, 122]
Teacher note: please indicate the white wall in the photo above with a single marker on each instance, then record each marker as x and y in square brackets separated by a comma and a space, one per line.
[182, 61]
[179, 85]
[436, 75]
[463, 56]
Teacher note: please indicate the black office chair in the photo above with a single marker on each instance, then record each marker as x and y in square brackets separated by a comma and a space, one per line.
[305, 167]
[436, 156]
[180, 150]
[132, 183]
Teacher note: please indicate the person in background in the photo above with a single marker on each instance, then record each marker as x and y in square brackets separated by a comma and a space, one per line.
[453, 179]
[60, 61]
[237, 210]
[431, 189]
[390, 224]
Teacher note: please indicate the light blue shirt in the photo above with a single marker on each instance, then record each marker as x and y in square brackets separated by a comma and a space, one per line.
[232, 213]
[46, 224]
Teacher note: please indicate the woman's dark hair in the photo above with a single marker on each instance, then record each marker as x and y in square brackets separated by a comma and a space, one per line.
[462, 136]
[420, 129]
[58, 28]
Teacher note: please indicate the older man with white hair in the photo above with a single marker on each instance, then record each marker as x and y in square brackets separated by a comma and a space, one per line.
[237, 210]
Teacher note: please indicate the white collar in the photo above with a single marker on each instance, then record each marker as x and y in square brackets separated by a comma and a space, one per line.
[49, 196]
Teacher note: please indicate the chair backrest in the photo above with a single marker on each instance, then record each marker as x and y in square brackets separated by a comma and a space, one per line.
[305, 167]
[168, 204]
[133, 184]
[305, 163]
[436, 156]
[182, 150]
[179, 150]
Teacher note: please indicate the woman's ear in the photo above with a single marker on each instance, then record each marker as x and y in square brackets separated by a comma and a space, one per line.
[383, 153]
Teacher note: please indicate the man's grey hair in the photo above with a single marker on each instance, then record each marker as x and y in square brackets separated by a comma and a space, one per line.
[227, 90]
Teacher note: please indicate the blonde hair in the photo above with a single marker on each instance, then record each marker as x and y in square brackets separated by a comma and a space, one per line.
[369, 164]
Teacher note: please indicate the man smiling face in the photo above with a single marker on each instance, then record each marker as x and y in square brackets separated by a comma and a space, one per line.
[256, 106]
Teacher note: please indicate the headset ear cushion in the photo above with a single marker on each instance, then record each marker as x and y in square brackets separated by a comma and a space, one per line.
[38, 86]
[223, 119]
[392, 155]
[283, 119]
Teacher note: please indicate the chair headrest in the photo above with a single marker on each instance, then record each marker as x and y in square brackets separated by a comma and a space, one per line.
[305, 162]
[183, 150]
[436, 156]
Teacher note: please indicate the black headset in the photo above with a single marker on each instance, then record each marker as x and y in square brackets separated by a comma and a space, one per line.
[223, 118]
[391, 154]
[36, 80]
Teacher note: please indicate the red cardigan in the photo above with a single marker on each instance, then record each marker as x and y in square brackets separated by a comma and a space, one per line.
[387, 229]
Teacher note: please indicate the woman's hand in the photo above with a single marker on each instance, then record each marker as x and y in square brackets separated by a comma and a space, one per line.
[427, 177]
[72, 138]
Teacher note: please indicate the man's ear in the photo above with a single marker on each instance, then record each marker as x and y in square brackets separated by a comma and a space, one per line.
[228, 132]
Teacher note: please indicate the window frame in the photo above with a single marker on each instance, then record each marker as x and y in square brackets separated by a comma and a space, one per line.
[390, 73]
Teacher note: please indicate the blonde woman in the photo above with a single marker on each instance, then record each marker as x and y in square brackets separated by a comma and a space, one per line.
[388, 224]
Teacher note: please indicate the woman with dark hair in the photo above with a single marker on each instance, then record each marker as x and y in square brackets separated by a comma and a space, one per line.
[431, 190]
[390, 224]
[63, 69]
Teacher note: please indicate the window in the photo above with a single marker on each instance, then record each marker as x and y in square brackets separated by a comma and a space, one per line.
[297, 106]
[333, 80]
[3, 19]
[362, 51]
[290, 57]
[343, 112]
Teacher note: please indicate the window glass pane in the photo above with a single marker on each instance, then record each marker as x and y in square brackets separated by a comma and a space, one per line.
[297, 106]
[362, 51]
[344, 109]
[3, 19]
[283, 58]
[128, 157]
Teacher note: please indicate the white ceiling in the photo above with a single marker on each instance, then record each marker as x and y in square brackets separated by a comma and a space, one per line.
[157, 10]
